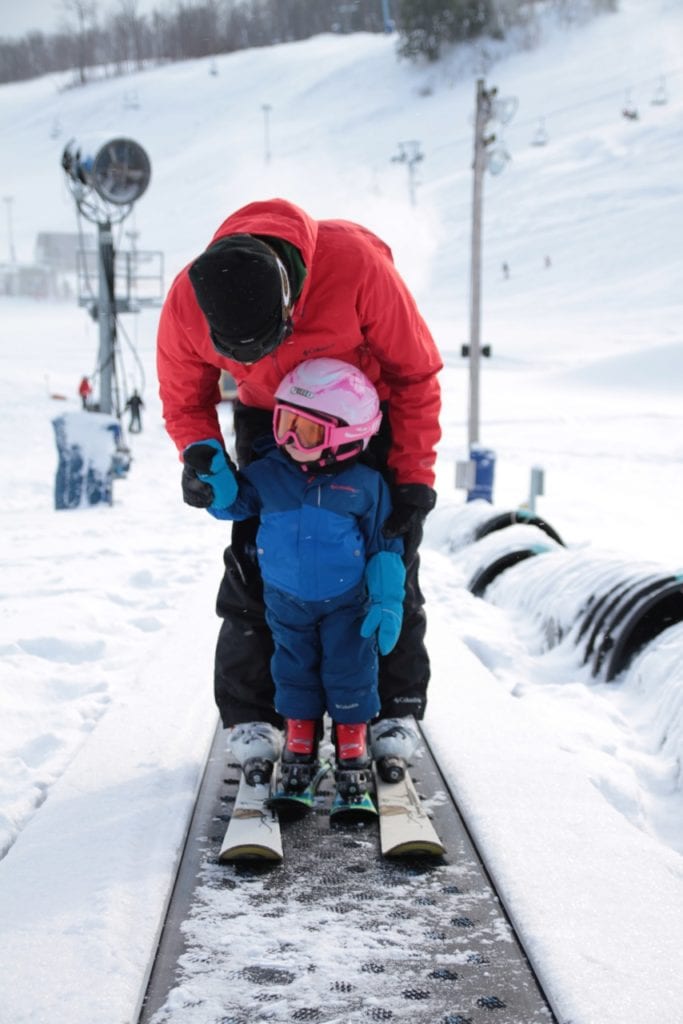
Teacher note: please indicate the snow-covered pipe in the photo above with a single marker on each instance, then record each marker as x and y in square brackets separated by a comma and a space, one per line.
[607, 608]
[459, 526]
[485, 576]
[517, 515]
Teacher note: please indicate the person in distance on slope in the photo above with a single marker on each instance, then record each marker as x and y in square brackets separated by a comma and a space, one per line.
[273, 288]
[333, 583]
[85, 391]
[135, 404]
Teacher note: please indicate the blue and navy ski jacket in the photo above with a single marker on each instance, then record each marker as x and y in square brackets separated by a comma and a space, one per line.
[317, 530]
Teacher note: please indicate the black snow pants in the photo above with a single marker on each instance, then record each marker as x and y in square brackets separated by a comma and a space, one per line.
[243, 685]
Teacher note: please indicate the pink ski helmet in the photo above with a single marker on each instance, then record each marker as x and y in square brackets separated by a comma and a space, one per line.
[327, 408]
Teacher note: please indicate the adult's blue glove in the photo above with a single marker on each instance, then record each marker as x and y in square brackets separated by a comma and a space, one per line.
[384, 576]
[208, 476]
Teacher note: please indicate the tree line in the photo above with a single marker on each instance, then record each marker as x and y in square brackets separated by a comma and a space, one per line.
[427, 26]
[125, 40]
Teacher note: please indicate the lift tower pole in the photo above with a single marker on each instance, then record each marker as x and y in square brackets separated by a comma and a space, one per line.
[479, 166]
[106, 318]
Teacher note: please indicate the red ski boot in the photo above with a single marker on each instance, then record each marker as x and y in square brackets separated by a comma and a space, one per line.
[352, 773]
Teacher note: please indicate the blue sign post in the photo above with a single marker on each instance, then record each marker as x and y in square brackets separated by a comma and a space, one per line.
[484, 466]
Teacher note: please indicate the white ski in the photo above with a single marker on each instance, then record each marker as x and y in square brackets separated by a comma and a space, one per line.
[253, 832]
[404, 826]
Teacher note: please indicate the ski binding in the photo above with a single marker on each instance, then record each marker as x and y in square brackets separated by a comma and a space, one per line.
[291, 805]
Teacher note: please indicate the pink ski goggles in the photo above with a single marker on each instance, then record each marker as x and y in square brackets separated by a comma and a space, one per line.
[310, 432]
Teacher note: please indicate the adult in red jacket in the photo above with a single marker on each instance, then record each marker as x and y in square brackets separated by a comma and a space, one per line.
[273, 288]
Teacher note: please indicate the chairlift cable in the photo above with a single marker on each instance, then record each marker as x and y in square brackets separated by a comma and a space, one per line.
[466, 140]
[136, 357]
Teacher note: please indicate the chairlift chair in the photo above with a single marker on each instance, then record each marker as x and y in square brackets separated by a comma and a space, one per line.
[629, 110]
[660, 97]
[540, 135]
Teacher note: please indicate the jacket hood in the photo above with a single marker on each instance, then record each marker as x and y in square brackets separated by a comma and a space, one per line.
[280, 219]
[276, 217]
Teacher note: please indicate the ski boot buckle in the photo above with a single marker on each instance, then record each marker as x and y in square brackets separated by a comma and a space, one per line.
[257, 771]
[390, 768]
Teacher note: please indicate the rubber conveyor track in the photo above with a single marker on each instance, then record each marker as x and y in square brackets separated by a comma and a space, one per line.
[336, 934]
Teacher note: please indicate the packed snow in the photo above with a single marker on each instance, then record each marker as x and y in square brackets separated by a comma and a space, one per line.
[571, 785]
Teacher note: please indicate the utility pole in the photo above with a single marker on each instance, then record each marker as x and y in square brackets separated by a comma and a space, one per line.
[493, 158]
[478, 472]
[10, 233]
[479, 166]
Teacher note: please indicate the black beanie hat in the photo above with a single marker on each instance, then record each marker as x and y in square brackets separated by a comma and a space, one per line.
[238, 285]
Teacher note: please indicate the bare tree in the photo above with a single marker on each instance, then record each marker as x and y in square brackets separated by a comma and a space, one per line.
[133, 28]
[126, 43]
[82, 14]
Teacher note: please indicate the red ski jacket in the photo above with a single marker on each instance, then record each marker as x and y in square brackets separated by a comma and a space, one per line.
[353, 306]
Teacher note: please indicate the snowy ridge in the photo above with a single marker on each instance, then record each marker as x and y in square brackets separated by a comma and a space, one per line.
[600, 861]
[99, 860]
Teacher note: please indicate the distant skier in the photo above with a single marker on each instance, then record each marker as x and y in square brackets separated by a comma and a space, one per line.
[85, 391]
[506, 271]
[135, 404]
[333, 582]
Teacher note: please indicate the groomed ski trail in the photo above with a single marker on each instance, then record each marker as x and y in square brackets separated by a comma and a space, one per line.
[336, 934]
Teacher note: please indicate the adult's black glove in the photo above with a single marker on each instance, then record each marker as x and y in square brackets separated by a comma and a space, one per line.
[195, 492]
[411, 503]
[208, 479]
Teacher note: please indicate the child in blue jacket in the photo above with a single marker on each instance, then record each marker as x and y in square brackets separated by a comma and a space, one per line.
[333, 584]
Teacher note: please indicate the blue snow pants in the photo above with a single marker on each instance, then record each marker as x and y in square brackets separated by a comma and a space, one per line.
[321, 662]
